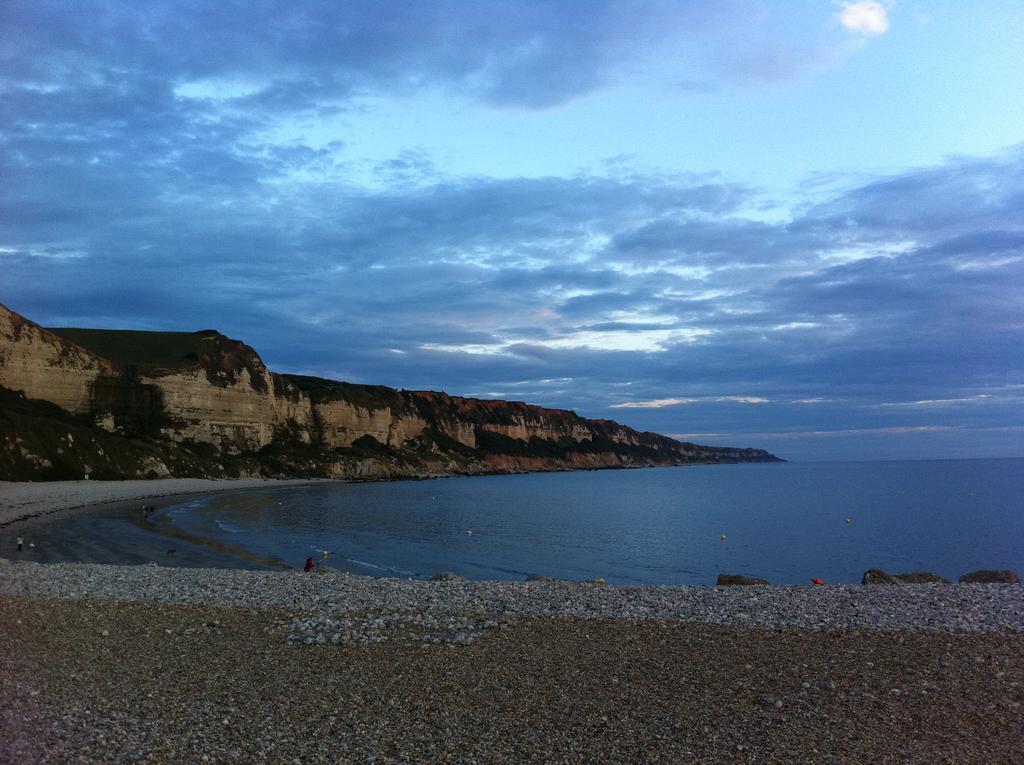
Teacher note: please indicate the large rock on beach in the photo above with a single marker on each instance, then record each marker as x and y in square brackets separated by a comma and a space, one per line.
[447, 576]
[990, 577]
[730, 580]
[877, 576]
[922, 577]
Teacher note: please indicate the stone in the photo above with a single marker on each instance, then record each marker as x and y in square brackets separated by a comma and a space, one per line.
[877, 576]
[730, 580]
[540, 578]
[447, 576]
[922, 577]
[990, 577]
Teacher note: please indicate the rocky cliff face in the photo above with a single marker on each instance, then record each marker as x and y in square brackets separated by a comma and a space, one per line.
[206, 389]
[46, 367]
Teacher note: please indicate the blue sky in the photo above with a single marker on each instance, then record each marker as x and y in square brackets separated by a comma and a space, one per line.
[794, 225]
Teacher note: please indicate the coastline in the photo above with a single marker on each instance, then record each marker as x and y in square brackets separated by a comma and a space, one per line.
[146, 663]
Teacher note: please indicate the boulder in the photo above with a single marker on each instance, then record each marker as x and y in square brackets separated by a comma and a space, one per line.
[540, 578]
[730, 580]
[447, 576]
[877, 576]
[922, 577]
[990, 577]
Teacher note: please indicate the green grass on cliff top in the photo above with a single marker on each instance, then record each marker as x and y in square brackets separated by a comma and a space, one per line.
[126, 346]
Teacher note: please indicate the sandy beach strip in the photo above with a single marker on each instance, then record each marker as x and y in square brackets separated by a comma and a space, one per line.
[26, 499]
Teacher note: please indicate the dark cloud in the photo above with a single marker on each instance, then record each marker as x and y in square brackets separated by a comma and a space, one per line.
[295, 55]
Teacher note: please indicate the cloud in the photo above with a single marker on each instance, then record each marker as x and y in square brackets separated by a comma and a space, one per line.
[865, 17]
[838, 433]
[980, 398]
[660, 403]
[286, 56]
[653, 404]
[277, 60]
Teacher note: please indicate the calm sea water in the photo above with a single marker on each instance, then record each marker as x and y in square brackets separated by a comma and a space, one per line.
[785, 522]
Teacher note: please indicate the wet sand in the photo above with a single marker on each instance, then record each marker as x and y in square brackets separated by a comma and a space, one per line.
[26, 499]
[102, 522]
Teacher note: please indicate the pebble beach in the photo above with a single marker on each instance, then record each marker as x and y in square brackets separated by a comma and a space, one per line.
[157, 664]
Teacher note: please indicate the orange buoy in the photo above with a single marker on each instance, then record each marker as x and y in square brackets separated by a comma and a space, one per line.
[818, 581]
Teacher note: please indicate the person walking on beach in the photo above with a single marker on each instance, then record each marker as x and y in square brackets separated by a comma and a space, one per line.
[21, 544]
[309, 564]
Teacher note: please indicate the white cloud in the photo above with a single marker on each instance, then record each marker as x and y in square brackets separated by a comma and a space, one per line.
[645, 341]
[660, 403]
[941, 401]
[866, 17]
[832, 433]
[217, 89]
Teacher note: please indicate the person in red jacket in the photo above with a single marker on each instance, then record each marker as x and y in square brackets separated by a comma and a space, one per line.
[309, 564]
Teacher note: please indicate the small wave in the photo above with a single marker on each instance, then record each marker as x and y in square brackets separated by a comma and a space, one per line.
[391, 569]
[185, 508]
[228, 527]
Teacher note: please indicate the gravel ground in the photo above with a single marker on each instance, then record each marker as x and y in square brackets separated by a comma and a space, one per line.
[957, 607]
[101, 681]
[149, 664]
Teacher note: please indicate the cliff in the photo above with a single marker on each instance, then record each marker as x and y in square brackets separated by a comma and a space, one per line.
[181, 403]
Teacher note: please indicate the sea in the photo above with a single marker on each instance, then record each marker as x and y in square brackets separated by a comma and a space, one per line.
[786, 523]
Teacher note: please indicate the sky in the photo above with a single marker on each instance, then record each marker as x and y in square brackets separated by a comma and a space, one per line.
[793, 225]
